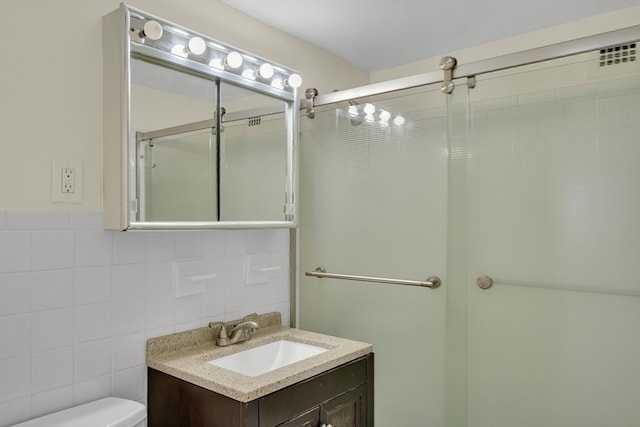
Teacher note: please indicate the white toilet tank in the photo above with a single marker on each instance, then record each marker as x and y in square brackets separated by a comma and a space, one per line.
[107, 412]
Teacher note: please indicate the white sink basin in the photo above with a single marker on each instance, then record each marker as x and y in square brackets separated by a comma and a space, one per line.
[265, 358]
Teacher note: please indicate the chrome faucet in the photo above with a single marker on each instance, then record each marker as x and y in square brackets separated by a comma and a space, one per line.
[239, 333]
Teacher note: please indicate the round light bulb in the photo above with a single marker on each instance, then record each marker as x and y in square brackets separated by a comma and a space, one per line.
[398, 121]
[353, 110]
[277, 83]
[266, 71]
[369, 109]
[385, 116]
[152, 30]
[234, 60]
[196, 45]
[294, 80]
[384, 124]
[369, 118]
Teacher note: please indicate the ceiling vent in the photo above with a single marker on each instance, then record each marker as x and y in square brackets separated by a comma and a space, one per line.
[255, 121]
[615, 55]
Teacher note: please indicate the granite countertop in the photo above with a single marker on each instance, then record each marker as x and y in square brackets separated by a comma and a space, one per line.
[184, 355]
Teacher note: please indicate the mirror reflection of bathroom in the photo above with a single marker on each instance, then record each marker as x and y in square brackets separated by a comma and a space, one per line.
[188, 171]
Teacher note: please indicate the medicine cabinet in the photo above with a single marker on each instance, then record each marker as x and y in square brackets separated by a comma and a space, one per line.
[197, 134]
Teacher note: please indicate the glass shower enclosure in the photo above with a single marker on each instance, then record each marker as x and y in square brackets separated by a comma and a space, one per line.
[520, 192]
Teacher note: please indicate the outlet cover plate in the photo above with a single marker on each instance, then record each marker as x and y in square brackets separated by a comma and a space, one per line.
[57, 192]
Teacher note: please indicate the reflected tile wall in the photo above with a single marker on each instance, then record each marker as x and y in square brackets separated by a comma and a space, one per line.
[77, 303]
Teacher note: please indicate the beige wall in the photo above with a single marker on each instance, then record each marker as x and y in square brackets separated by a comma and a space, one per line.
[51, 84]
[51, 79]
[570, 31]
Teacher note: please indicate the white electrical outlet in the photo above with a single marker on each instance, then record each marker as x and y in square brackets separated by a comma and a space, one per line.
[66, 181]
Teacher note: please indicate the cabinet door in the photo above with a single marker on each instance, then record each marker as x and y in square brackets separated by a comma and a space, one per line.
[346, 410]
[308, 419]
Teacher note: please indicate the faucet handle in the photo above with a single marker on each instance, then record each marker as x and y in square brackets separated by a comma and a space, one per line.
[223, 328]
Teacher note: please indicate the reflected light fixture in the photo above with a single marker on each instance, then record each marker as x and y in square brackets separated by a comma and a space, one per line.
[180, 50]
[277, 83]
[249, 74]
[217, 63]
[369, 109]
[367, 114]
[398, 121]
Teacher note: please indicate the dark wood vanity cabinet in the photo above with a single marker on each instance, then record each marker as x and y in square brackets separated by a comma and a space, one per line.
[340, 397]
[345, 410]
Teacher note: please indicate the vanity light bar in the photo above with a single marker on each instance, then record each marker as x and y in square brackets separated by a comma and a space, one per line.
[156, 38]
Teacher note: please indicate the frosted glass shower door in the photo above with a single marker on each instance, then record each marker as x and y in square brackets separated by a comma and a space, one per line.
[529, 181]
[373, 202]
[552, 198]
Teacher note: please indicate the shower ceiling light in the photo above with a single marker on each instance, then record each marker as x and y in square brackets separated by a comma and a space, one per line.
[196, 45]
[398, 121]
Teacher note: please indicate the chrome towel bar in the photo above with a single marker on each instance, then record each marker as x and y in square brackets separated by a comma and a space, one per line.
[432, 282]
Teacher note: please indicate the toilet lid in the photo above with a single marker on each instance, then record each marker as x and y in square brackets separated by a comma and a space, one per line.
[107, 412]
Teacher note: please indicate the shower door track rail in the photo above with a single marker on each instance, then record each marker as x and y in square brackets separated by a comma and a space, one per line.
[208, 123]
[432, 282]
[526, 57]
[176, 130]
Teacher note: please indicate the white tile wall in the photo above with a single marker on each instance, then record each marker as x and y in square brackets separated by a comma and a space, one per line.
[16, 293]
[15, 251]
[77, 303]
[51, 329]
[16, 330]
[52, 289]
